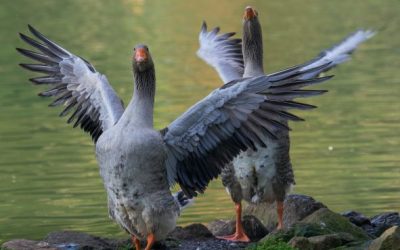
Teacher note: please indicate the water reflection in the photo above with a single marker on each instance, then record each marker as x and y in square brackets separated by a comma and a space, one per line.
[346, 154]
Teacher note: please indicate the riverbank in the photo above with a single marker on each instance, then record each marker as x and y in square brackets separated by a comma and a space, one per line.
[308, 224]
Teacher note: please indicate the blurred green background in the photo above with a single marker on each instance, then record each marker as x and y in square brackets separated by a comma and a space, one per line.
[347, 153]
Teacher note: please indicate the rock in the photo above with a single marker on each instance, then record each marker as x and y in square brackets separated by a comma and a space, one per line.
[330, 241]
[300, 242]
[27, 245]
[197, 241]
[78, 240]
[253, 227]
[389, 240]
[296, 207]
[335, 223]
[377, 224]
[389, 218]
[321, 242]
[193, 231]
[270, 244]
[221, 227]
[357, 218]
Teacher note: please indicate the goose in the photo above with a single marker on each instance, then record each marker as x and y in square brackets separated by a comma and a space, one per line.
[264, 174]
[139, 164]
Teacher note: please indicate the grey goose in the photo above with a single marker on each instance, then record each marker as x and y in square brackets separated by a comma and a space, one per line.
[263, 174]
[139, 164]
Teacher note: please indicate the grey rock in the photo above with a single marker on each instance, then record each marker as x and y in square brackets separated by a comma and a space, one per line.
[221, 227]
[335, 223]
[78, 241]
[357, 218]
[300, 242]
[253, 227]
[388, 219]
[389, 240]
[377, 224]
[321, 242]
[193, 231]
[296, 207]
[22, 244]
[381, 222]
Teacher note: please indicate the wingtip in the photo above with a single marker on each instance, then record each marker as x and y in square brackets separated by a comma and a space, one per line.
[33, 80]
[23, 65]
[22, 35]
[203, 28]
[31, 28]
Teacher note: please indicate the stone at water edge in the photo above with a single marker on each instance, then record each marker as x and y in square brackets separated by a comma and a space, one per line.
[300, 242]
[27, 244]
[221, 227]
[253, 227]
[193, 231]
[335, 223]
[83, 240]
[296, 207]
[357, 218]
[388, 218]
[389, 240]
[321, 242]
[377, 224]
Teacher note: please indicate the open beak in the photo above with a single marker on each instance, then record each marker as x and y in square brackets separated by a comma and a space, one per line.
[141, 55]
[249, 13]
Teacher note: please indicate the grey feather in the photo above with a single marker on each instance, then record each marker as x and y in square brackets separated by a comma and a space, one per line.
[74, 83]
[221, 52]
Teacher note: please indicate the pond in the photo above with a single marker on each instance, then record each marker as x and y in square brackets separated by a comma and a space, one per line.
[346, 154]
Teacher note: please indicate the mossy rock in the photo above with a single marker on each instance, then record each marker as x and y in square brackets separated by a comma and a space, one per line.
[271, 244]
[357, 245]
[389, 240]
[334, 223]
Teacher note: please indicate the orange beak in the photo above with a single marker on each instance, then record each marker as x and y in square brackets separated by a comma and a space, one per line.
[249, 13]
[141, 55]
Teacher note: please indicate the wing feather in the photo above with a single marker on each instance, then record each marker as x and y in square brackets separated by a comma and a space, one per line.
[222, 52]
[235, 117]
[74, 83]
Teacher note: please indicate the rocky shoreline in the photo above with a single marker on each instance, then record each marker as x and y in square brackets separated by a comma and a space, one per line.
[309, 225]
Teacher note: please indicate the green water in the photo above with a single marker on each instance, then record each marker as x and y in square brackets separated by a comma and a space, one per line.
[48, 174]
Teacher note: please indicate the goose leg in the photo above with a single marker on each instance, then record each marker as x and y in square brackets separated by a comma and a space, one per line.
[239, 234]
[151, 239]
[135, 242]
[279, 208]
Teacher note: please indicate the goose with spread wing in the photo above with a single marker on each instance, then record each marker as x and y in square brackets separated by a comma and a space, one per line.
[264, 174]
[139, 164]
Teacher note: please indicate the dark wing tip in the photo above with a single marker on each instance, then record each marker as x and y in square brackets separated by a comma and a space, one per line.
[22, 36]
[20, 50]
[24, 65]
[204, 26]
[33, 30]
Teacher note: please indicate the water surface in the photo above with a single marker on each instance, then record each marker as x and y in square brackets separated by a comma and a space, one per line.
[346, 154]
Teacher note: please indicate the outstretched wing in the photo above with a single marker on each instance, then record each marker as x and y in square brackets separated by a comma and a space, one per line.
[342, 51]
[74, 83]
[235, 117]
[222, 52]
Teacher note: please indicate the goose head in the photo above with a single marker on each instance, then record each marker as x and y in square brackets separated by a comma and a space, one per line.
[252, 43]
[250, 13]
[142, 60]
[251, 24]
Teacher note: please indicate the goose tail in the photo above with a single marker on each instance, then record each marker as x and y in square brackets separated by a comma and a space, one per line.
[182, 200]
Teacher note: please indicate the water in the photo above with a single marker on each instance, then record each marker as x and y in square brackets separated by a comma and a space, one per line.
[346, 154]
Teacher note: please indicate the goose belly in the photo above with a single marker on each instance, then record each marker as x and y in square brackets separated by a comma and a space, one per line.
[135, 178]
[264, 175]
